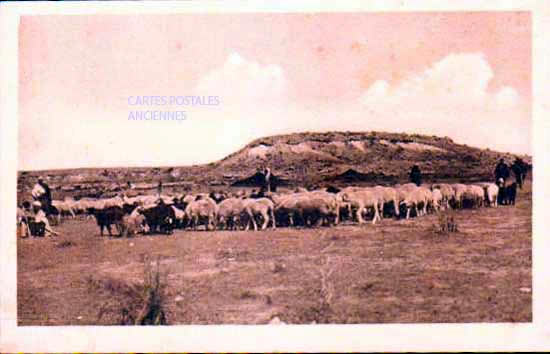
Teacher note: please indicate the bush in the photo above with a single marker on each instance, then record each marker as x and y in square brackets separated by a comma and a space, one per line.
[65, 243]
[152, 311]
[132, 304]
[446, 223]
[322, 311]
[247, 294]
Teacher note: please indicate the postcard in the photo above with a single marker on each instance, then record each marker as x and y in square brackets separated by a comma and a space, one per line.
[274, 176]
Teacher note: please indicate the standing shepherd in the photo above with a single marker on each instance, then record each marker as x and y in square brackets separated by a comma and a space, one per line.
[41, 192]
[267, 180]
[159, 188]
[520, 170]
[502, 171]
[415, 176]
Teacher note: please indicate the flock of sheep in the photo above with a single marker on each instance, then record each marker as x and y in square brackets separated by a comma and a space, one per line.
[233, 211]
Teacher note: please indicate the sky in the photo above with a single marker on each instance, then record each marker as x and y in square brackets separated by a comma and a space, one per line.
[462, 75]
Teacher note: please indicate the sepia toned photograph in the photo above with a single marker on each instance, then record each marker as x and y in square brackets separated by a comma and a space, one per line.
[274, 168]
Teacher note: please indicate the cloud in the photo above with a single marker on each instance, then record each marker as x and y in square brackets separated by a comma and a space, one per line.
[242, 81]
[457, 79]
[452, 98]
[377, 91]
[506, 97]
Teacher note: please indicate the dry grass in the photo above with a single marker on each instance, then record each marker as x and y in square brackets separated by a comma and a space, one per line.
[446, 223]
[398, 271]
[131, 303]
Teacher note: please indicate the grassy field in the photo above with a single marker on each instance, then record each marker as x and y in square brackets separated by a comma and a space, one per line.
[398, 271]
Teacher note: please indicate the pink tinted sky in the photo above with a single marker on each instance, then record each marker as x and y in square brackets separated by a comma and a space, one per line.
[76, 73]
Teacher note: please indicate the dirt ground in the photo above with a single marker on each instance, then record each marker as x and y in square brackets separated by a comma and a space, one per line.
[398, 271]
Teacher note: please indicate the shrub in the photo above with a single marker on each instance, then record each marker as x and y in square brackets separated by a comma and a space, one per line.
[152, 311]
[247, 294]
[446, 223]
[132, 304]
[322, 311]
[64, 244]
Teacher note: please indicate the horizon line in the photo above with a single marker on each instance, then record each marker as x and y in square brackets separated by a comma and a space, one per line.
[266, 137]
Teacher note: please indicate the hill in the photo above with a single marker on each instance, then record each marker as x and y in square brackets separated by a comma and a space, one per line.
[316, 157]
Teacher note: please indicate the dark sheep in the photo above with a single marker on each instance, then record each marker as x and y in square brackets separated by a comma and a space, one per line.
[332, 189]
[106, 217]
[160, 217]
[510, 194]
[260, 194]
[217, 197]
[129, 208]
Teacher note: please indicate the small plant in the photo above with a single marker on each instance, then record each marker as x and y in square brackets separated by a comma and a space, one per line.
[65, 243]
[322, 311]
[446, 223]
[366, 287]
[152, 311]
[132, 303]
[247, 294]
[327, 288]
[277, 267]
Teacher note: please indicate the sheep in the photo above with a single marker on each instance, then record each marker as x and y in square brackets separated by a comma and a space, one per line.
[306, 206]
[202, 209]
[459, 190]
[180, 216]
[417, 199]
[263, 207]
[475, 194]
[492, 194]
[490, 190]
[388, 195]
[362, 200]
[447, 193]
[437, 200]
[64, 207]
[133, 223]
[230, 212]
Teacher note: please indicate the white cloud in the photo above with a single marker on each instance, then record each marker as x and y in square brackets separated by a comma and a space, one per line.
[242, 81]
[457, 79]
[506, 97]
[452, 98]
[377, 91]
[456, 75]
